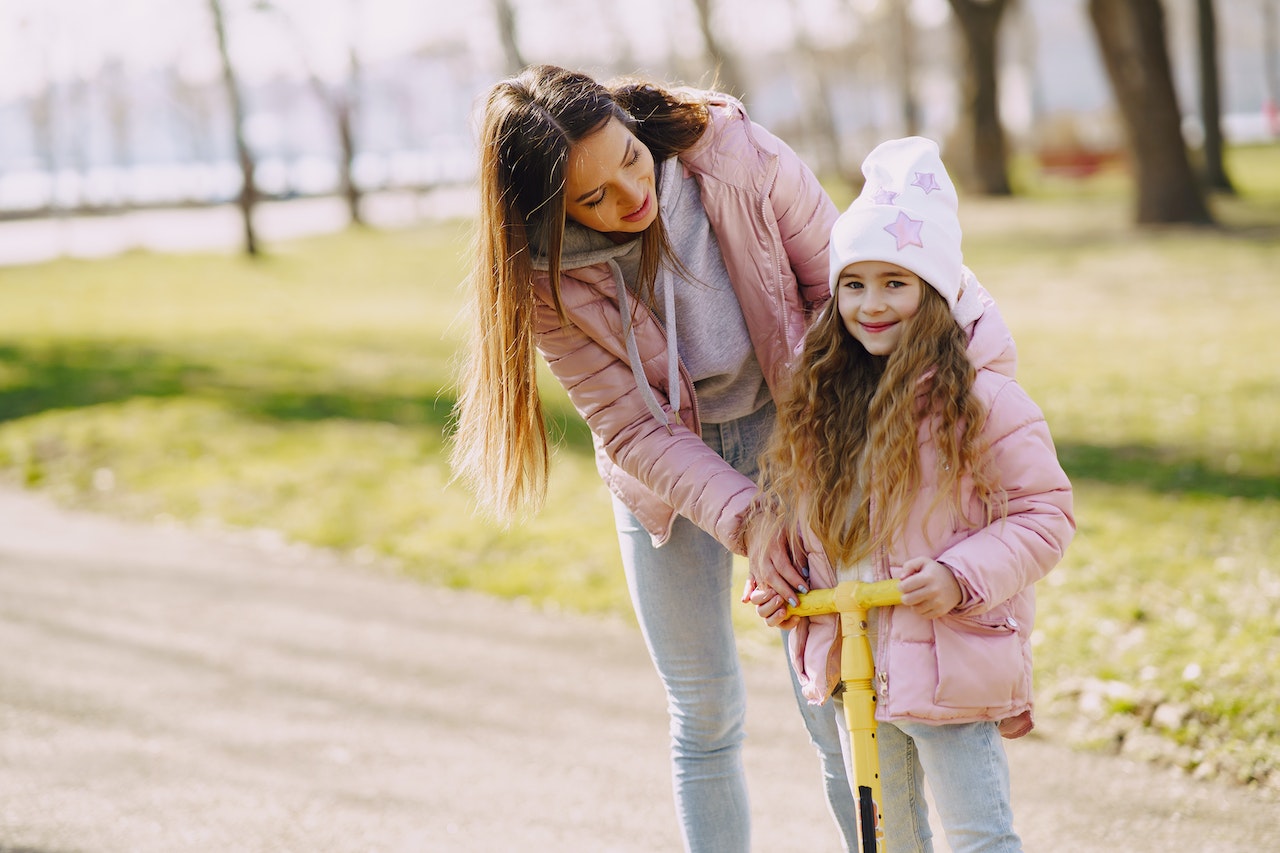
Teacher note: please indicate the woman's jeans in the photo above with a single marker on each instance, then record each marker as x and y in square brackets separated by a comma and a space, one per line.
[682, 593]
[968, 776]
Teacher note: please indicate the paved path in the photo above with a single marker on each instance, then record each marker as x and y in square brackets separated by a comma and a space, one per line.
[164, 690]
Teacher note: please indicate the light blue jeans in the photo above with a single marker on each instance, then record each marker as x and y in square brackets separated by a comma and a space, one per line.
[968, 776]
[682, 594]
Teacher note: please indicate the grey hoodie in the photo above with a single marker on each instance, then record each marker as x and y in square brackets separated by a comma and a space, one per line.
[584, 247]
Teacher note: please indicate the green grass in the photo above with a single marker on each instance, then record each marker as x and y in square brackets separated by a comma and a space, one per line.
[222, 391]
[310, 394]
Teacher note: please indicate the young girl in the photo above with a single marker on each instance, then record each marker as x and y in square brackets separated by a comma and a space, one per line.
[604, 212]
[907, 450]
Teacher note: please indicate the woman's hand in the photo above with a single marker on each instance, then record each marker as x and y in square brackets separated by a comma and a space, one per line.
[772, 565]
[772, 609]
[929, 588]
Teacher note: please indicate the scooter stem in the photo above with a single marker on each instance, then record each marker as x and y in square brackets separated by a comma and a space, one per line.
[857, 670]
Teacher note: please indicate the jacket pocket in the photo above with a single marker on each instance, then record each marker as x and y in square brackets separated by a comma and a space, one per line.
[980, 662]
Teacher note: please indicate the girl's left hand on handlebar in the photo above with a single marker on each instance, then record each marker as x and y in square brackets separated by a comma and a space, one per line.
[929, 587]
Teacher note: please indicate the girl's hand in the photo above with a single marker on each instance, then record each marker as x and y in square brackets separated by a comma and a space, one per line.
[929, 588]
[771, 608]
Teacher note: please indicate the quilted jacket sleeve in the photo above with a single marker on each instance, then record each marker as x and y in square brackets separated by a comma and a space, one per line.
[805, 214]
[1012, 553]
[814, 643]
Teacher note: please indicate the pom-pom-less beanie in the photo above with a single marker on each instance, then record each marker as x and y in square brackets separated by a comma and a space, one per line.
[907, 215]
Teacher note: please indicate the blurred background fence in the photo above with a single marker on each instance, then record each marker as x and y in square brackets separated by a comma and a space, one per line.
[114, 106]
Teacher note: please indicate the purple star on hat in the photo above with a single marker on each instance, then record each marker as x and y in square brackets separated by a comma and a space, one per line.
[884, 196]
[906, 231]
[926, 181]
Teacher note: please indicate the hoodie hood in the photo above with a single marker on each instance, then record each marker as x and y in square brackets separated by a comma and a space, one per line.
[580, 247]
[991, 345]
[583, 247]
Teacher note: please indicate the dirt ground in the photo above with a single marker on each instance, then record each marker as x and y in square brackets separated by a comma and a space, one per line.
[169, 690]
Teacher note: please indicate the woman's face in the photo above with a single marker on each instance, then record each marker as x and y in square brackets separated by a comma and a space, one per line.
[609, 183]
[874, 299]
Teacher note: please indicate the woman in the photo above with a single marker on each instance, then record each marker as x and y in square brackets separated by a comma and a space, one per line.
[664, 255]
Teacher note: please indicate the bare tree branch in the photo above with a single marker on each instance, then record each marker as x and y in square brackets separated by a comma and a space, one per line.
[248, 190]
[340, 100]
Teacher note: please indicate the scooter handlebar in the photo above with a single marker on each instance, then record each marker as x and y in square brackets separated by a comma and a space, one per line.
[850, 595]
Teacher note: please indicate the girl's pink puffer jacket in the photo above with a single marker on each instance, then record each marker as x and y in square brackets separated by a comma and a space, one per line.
[974, 663]
[773, 221]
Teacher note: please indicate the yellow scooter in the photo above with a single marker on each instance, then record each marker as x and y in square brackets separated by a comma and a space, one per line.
[852, 600]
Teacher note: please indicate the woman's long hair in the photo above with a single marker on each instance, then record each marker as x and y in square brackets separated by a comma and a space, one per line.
[849, 430]
[530, 123]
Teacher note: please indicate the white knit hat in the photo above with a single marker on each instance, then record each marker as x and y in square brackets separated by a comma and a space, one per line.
[906, 214]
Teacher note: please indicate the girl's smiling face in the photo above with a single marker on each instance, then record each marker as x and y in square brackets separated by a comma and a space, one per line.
[874, 299]
[609, 182]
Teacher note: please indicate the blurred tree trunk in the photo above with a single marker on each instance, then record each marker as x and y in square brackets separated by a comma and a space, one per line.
[507, 30]
[1271, 67]
[728, 79]
[343, 106]
[43, 105]
[195, 129]
[44, 121]
[982, 166]
[248, 188]
[1026, 49]
[1131, 35]
[905, 33]
[78, 111]
[341, 101]
[1215, 171]
[120, 118]
[816, 94]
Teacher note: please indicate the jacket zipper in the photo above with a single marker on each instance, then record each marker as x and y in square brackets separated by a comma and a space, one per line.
[882, 638]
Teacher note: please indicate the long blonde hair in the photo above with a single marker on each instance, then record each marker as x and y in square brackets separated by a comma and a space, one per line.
[531, 121]
[848, 433]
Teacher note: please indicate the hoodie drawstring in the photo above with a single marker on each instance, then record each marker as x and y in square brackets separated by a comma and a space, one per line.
[633, 351]
[673, 356]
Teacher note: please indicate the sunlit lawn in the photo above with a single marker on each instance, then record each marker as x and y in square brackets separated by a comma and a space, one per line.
[308, 394]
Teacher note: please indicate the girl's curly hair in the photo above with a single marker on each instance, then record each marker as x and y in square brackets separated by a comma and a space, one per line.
[850, 427]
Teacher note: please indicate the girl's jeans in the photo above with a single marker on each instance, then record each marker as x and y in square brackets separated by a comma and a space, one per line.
[682, 593]
[968, 776]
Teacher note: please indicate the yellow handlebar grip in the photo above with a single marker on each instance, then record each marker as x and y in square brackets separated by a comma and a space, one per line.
[815, 603]
[878, 594]
[850, 595]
